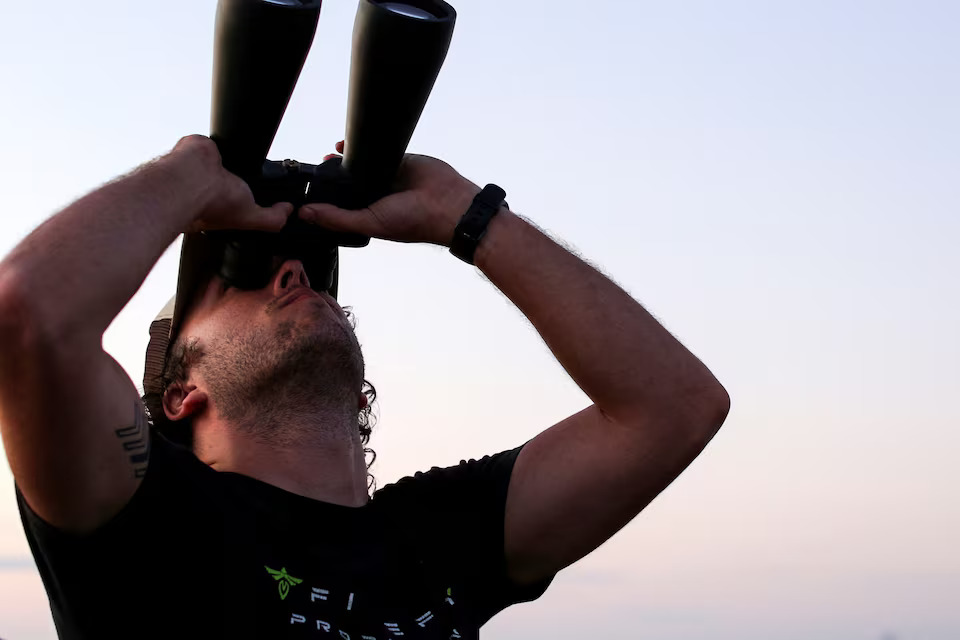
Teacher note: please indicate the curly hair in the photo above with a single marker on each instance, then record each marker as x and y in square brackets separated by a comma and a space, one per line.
[183, 354]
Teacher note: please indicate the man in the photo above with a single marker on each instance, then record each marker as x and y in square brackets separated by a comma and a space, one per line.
[264, 526]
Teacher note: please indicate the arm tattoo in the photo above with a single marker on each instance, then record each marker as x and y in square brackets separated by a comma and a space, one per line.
[136, 441]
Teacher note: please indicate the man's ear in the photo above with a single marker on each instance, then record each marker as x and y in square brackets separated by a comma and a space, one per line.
[363, 401]
[183, 400]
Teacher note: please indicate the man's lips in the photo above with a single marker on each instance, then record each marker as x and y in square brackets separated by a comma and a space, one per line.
[296, 294]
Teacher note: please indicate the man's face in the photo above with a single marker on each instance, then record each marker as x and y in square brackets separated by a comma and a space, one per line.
[218, 308]
[282, 344]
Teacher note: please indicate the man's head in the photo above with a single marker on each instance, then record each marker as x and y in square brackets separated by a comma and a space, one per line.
[256, 359]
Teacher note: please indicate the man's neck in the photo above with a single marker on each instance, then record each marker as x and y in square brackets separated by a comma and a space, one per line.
[321, 459]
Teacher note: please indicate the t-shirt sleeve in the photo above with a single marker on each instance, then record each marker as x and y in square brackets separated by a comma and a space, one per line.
[84, 574]
[166, 480]
[465, 507]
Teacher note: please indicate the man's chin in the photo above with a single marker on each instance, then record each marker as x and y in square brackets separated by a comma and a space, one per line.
[329, 351]
[305, 361]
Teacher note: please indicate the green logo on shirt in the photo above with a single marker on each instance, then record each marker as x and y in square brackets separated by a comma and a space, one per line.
[285, 579]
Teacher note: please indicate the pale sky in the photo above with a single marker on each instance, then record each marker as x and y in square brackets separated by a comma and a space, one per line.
[776, 182]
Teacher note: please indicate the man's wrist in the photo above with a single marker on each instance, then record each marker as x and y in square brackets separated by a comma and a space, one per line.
[191, 171]
[459, 204]
[499, 225]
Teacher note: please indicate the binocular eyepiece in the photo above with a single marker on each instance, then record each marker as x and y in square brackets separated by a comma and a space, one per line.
[259, 51]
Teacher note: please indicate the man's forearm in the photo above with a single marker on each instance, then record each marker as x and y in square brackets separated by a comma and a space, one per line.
[619, 355]
[78, 269]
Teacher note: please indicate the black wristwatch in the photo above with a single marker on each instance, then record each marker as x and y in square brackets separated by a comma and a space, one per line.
[473, 224]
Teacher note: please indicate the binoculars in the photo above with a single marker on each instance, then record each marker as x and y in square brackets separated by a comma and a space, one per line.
[260, 49]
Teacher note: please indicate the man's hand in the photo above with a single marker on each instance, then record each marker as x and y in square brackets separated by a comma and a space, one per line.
[429, 200]
[226, 200]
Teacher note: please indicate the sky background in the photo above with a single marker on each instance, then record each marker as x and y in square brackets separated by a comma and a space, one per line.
[777, 182]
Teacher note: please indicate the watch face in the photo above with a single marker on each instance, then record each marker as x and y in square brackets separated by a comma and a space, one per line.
[493, 195]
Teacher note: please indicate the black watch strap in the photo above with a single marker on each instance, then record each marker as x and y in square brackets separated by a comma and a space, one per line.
[473, 224]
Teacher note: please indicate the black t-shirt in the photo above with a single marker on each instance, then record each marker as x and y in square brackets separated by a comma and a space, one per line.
[198, 553]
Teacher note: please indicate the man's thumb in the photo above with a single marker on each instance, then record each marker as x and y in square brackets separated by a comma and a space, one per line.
[336, 219]
[268, 218]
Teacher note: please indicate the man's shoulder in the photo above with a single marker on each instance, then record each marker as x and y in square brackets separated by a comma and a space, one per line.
[469, 475]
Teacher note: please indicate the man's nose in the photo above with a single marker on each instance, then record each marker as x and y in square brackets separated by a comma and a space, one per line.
[291, 274]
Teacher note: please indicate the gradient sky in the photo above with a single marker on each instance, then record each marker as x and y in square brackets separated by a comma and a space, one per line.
[776, 182]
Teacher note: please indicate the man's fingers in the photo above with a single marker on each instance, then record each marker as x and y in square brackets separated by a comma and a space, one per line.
[270, 218]
[339, 147]
[337, 219]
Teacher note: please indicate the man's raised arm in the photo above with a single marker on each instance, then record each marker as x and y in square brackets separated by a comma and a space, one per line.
[655, 404]
[72, 423]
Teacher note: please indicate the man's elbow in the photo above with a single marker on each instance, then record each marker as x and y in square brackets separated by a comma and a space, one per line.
[704, 412]
[681, 420]
[720, 407]
[28, 319]
[689, 417]
[12, 308]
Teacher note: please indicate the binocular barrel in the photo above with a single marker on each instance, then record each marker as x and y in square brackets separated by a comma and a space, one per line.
[260, 49]
[398, 49]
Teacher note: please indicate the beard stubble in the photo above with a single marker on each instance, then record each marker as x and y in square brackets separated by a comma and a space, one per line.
[268, 379]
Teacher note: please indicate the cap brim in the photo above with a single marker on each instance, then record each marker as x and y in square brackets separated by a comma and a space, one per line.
[197, 264]
[197, 256]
